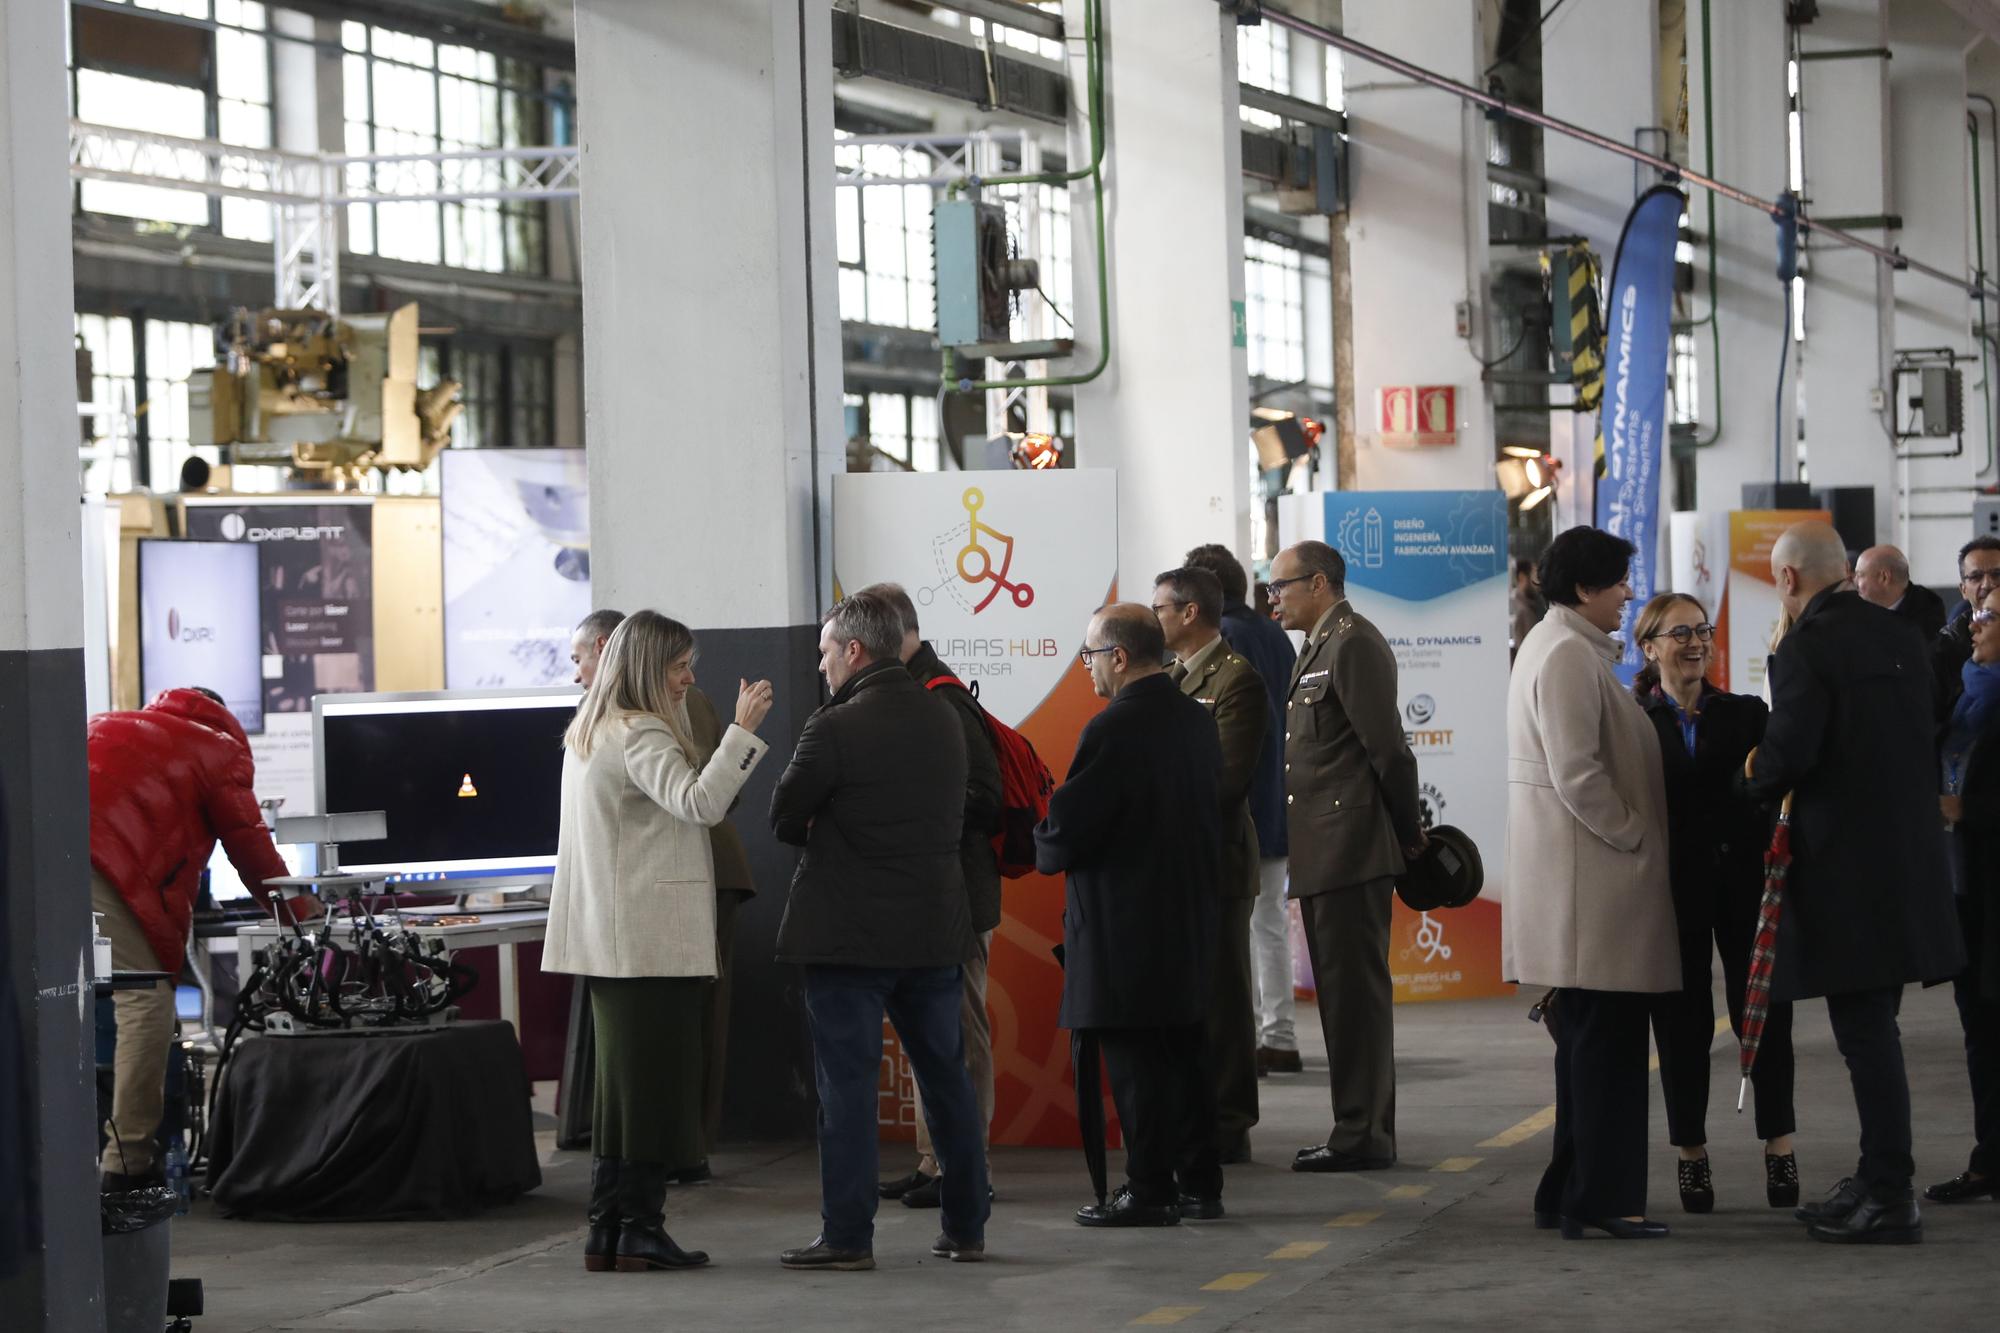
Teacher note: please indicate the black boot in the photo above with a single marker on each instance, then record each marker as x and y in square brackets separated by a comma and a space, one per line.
[600, 1250]
[643, 1242]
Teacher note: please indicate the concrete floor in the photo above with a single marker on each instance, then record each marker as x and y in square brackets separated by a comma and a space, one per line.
[1441, 1242]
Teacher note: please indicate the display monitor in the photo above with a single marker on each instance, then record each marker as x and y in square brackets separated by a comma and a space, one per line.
[471, 780]
[198, 623]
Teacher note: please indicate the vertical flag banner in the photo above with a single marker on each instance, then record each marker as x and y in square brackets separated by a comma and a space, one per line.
[1005, 569]
[516, 565]
[1753, 595]
[1632, 422]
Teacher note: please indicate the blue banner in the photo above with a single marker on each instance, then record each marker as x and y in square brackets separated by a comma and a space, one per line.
[1632, 423]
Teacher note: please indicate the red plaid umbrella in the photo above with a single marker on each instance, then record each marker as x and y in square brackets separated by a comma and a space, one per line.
[1764, 953]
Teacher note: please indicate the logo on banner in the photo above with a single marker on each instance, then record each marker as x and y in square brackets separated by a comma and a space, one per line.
[182, 633]
[1430, 939]
[236, 528]
[1419, 710]
[1430, 806]
[976, 564]
[1361, 541]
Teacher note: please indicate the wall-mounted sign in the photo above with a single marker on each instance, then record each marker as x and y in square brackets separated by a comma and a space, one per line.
[1418, 414]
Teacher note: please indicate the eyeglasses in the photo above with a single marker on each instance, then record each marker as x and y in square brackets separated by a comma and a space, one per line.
[1160, 610]
[1085, 654]
[1978, 576]
[1275, 586]
[1984, 617]
[1685, 634]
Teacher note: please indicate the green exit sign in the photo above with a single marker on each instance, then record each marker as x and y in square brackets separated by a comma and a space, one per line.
[1239, 331]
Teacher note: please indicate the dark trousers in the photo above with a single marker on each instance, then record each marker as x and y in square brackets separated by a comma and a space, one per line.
[1347, 934]
[715, 1036]
[1980, 1017]
[1231, 1030]
[1598, 1167]
[844, 1007]
[1166, 1108]
[1864, 1028]
[1684, 1021]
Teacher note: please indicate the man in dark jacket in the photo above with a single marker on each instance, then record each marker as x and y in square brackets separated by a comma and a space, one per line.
[1137, 828]
[981, 868]
[1868, 903]
[1882, 576]
[875, 793]
[166, 783]
[1258, 640]
[1978, 579]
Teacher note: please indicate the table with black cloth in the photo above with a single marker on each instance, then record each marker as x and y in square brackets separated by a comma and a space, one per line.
[432, 1123]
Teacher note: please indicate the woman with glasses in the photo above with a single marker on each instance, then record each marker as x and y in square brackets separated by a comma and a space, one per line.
[1588, 910]
[1716, 839]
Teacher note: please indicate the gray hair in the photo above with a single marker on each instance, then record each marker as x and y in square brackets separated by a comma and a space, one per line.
[870, 619]
[893, 594]
[1319, 558]
[598, 625]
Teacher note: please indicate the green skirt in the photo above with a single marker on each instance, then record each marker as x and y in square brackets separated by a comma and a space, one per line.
[649, 1069]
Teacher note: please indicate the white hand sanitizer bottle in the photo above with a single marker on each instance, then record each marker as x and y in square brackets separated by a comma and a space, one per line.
[100, 948]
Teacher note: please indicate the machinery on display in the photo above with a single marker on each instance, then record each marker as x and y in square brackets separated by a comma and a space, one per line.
[358, 970]
[332, 396]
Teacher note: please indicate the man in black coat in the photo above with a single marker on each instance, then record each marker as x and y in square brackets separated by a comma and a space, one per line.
[1978, 579]
[981, 868]
[1868, 903]
[1137, 827]
[875, 793]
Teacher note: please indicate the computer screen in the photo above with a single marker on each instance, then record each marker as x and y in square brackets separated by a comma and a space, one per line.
[471, 780]
[226, 887]
[198, 623]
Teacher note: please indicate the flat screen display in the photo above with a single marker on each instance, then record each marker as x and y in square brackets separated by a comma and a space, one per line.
[198, 623]
[471, 781]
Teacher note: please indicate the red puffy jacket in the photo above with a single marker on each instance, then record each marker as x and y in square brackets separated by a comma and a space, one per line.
[165, 783]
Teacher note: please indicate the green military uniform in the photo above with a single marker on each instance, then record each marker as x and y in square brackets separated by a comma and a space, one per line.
[1232, 691]
[733, 887]
[1350, 808]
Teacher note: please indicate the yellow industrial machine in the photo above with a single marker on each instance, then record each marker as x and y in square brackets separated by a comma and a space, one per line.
[331, 397]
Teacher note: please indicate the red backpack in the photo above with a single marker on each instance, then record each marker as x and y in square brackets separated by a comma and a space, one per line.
[1025, 786]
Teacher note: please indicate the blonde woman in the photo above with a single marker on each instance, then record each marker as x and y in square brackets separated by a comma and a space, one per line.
[633, 909]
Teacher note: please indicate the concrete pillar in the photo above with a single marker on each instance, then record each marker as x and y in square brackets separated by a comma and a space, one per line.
[1417, 237]
[47, 1092]
[1601, 71]
[1172, 411]
[1738, 397]
[711, 329]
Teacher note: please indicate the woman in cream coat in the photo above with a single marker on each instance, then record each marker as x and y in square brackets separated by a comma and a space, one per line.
[1589, 911]
[633, 909]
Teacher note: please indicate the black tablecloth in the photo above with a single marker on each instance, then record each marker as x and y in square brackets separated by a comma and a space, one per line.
[345, 1127]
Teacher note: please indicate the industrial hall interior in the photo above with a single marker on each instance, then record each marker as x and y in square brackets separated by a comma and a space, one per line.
[770, 664]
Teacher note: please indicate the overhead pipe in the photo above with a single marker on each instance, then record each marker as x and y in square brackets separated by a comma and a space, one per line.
[1665, 166]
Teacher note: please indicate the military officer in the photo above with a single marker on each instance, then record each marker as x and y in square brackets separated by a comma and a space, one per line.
[1351, 817]
[1189, 604]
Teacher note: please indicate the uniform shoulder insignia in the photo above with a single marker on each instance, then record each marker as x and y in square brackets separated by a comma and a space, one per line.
[1346, 624]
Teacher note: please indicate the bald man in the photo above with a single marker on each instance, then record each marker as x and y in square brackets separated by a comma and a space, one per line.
[1882, 576]
[1868, 905]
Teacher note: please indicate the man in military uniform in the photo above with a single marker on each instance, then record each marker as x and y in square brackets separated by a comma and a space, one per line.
[1351, 816]
[1189, 605]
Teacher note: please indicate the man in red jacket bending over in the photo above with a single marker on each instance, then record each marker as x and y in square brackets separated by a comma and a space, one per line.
[165, 783]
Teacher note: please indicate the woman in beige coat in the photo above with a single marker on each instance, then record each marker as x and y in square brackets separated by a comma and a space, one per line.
[1588, 911]
[633, 909]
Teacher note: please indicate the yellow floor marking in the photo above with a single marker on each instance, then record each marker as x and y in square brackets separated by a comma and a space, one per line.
[1522, 1132]
[1408, 1192]
[1355, 1219]
[1298, 1249]
[1458, 1163]
[1235, 1281]
[1167, 1314]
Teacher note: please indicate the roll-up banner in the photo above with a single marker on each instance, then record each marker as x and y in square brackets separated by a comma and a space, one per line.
[516, 565]
[1632, 423]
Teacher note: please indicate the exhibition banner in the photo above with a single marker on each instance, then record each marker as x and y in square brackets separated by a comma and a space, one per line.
[516, 565]
[1698, 565]
[198, 623]
[1429, 569]
[1632, 423]
[1006, 569]
[1752, 597]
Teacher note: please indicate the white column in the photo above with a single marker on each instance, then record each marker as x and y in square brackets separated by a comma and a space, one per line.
[1747, 44]
[1601, 71]
[1171, 413]
[712, 397]
[44, 791]
[1417, 237]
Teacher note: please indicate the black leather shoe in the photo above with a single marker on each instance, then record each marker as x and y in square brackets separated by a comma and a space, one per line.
[1319, 1157]
[1872, 1222]
[1547, 1221]
[1125, 1211]
[600, 1248]
[958, 1251]
[1615, 1227]
[643, 1242]
[1194, 1208]
[1839, 1201]
[820, 1255]
[1697, 1185]
[1271, 1060]
[1781, 1180]
[1963, 1188]
[930, 1194]
[693, 1175]
[901, 1185]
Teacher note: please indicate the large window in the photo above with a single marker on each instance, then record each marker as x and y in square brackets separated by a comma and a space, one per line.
[892, 432]
[407, 94]
[1274, 311]
[1264, 60]
[168, 353]
[884, 237]
[507, 387]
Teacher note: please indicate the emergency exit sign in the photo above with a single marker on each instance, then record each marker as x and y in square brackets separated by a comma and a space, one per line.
[1418, 414]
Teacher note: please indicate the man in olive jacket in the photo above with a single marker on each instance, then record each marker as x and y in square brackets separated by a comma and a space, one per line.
[1352, 815]
[1137, 830]
[877, 916]
[1188, 602]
